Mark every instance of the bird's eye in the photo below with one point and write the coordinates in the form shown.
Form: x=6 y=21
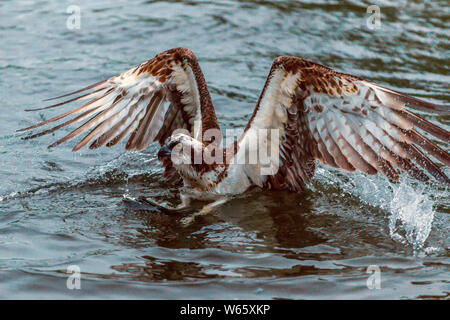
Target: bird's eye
x=172 y=144
x=178 y=147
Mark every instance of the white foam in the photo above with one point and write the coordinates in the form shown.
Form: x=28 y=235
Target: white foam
x=408 y=203
x=411 y=214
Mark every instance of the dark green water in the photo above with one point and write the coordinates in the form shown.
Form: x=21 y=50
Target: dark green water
x=59 y=208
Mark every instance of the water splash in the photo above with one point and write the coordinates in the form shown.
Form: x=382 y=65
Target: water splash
x=131 y=166
x=411 y=215
x=409 y=204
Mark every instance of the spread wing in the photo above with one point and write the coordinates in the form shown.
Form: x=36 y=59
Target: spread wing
x=146 y=103
x=347 y=123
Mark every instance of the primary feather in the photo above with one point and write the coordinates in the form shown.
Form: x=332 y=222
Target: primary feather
x=339 y=119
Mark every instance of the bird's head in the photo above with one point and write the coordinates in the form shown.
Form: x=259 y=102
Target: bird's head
x=181 y=150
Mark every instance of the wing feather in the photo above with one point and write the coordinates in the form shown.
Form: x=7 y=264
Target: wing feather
x=103 y=111
x=116 y=123
x=91 y=105
x=326 y=156
x=102 y=121
x=393 y=97
x=89 y=95
x=429 y=146
x=352 y=123
x=98 y=84
x=333 y=148
x=145 y=102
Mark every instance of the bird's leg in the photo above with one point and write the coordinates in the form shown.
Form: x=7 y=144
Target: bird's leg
x=142 y=203
x=207 y=209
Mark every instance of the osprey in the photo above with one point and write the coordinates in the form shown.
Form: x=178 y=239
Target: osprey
x=339 y=119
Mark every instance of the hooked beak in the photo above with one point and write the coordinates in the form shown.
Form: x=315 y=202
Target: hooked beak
x=164 y=153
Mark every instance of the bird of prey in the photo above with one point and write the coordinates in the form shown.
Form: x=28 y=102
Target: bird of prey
x=320 y=114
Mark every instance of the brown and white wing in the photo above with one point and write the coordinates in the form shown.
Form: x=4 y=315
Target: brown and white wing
x=145 y=104
x=347 y=123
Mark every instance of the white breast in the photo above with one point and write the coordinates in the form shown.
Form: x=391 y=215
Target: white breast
x=235 y=181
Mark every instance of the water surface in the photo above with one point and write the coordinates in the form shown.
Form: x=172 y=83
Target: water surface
x=59 y=208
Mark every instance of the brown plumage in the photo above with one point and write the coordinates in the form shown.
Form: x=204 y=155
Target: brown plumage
x=349 y=123
x=336 y=118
